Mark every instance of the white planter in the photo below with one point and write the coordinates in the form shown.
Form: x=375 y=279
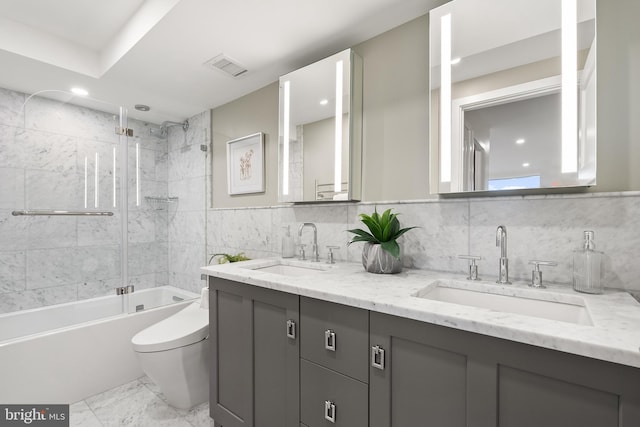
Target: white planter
x=377 y=260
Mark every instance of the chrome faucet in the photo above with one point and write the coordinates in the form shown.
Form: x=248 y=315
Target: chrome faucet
x=315 y=256
x=501 y=240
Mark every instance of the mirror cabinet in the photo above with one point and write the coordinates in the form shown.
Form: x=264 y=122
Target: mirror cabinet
x=320 y=131
x=513 y=88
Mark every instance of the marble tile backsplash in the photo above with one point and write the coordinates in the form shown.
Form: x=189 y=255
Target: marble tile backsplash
x=539 y=228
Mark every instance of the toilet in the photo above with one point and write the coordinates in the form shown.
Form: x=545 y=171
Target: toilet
x=174 y=354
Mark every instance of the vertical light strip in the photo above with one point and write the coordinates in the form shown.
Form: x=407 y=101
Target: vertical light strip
x=569 y=87
x=96 y=180
x=86 y=183
x=337 y=179
x=137 y=174
x=285 y=137
x=445 y=98
x=115 y=164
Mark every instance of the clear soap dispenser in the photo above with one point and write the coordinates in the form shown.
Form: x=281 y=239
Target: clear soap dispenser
x=288 y=244
x=587 y=267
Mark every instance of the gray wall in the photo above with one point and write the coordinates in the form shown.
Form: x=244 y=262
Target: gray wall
x=396 y=129
x=256 y=112
x=618 y=68
x=395 y=122
x=396 y=126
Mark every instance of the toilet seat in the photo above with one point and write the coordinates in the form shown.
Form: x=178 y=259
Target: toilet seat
x=188 y=326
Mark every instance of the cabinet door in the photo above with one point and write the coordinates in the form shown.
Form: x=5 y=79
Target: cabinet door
x=415 y=383
x=255 y=356
x=434 y=375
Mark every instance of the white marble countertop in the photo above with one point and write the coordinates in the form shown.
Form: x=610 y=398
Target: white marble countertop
x=614 y=335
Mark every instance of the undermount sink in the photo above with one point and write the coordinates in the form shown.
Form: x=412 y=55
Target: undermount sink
x=291 y=268
x=526 y=302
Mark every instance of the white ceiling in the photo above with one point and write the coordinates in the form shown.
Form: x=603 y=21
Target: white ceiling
x=152 y=52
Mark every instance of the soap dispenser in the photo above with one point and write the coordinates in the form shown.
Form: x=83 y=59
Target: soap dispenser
x=288 y=244
x=587 y=267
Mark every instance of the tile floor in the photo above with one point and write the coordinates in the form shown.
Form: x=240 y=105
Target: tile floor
x=137 y=404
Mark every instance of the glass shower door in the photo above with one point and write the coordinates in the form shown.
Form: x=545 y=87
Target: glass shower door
x=61 y=210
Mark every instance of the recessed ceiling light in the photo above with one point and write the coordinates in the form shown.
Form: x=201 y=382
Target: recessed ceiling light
x=142 y=107
x=324 y=102
x=456 y=61
x=79 y=91
x=520 y=141
x=525 y=165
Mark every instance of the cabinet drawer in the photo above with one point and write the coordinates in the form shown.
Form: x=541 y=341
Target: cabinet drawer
x=320 y=387
x=335 y=336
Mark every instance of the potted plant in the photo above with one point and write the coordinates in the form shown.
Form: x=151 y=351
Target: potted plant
x=381 y=252
x=229 y=258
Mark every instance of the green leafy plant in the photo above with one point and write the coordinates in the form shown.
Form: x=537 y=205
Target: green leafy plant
x=383 y=229
x=229 y=258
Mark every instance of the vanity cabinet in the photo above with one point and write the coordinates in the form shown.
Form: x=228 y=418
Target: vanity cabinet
x=279 y=359
x=255 y=356
x=434 y=375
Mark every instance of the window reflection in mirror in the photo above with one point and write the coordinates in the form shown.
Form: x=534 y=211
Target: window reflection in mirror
x=513 y=94
x=320 y=131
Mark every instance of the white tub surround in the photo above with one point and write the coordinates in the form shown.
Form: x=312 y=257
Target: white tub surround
x=55 y=360
x=614 y=335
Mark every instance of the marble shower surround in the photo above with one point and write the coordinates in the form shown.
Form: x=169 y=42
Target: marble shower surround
x=539 y=227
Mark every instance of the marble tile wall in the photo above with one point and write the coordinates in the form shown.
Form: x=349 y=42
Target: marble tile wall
x=539 y=227
x=188 y=169
x=50 y=260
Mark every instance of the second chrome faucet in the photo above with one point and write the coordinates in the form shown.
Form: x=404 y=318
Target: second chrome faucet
x=315 y=255
x=501 y=240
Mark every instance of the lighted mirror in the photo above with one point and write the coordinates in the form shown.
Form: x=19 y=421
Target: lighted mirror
x=320 y=131
x=513 y=95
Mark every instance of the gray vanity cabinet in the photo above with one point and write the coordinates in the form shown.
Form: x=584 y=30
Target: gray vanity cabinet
x=434 y=375
x=282 y=360
x=255 y=357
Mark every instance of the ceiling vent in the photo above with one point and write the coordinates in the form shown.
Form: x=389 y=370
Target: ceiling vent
x=226 y=64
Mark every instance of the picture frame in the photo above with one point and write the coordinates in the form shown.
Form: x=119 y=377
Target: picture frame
x=245 y=164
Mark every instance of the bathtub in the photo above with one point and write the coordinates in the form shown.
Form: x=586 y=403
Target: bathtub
x=68 y=352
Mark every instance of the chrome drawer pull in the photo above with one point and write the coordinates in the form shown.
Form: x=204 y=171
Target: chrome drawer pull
x=329 y=411
x=377 y=357
x=330 y=340
x=291 y=329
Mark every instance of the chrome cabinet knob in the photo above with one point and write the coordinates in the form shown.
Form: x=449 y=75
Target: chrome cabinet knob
x=330 y=340
x=330 y=411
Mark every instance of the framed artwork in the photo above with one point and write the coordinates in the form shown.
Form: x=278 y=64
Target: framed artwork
x=245 y=164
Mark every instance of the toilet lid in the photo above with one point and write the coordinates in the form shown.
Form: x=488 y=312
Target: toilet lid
x=188 y=326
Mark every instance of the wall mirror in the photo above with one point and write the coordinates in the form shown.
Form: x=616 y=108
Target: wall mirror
x=513 y=95
x=320 y=131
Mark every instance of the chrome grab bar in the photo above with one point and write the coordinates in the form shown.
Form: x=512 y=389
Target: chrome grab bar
x=61 y=213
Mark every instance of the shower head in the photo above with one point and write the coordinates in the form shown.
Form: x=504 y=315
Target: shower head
x=164 y=127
